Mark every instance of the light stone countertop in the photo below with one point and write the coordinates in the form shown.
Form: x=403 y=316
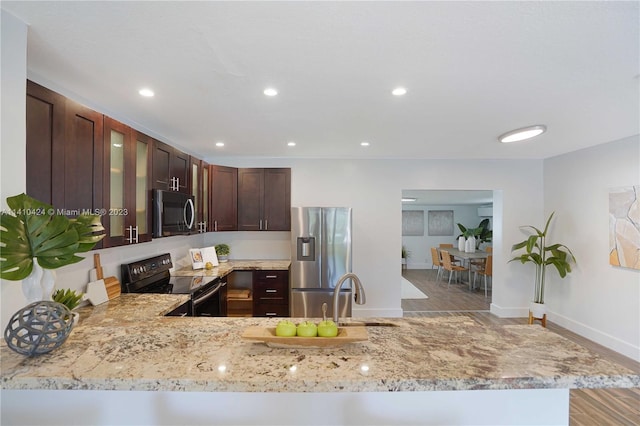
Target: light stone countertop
x=225 y=268
x=125 y=344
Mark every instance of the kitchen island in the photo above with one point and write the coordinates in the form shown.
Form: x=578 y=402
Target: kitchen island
x=125 y=363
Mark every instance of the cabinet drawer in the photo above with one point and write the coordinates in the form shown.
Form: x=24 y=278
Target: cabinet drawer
x=271 y=290
x=271 y=310
x=271 y=277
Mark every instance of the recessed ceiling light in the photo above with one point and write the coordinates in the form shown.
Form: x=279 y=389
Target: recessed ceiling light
x=146 y=92
x=522 y=134
x=399 y=91
x=408 y=199
x=291 y=143
x=364 y=143
x=270 y=91
x=220 y=144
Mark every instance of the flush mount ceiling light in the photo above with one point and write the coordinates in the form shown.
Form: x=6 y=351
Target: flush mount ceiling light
x=408 y=199
x=220 y=144
x=270 y=91
x=364 y=143
x=399 y=91
x=291 y=143
x=146 y=92
x=522 y=134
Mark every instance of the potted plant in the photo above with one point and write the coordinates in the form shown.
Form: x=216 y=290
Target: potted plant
x=35 y=240
x=70 y=299
x=542 y=255
x=481 y=234
x=405 y=255
x=222 y=251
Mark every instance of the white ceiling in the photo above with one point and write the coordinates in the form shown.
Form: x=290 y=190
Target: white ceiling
x=473 y=70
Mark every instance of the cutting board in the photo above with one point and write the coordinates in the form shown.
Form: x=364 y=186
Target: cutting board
x=111 y=284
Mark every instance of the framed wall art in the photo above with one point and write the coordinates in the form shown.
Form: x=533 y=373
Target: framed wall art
x=413 y=223
x=440 y=222
x=624 y=227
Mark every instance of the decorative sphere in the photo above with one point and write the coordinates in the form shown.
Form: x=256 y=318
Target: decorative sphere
x=39 y=328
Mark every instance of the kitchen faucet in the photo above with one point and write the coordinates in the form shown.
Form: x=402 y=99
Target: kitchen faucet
x=358 y=294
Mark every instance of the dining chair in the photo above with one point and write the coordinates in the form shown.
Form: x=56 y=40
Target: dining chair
x=446 y=245
x=487 y=271
x=447 y=265
x=436 y=261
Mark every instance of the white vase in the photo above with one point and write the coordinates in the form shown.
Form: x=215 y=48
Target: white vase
x=537 y=310
x=39 y=284
x=471 y=245
x=461 y=244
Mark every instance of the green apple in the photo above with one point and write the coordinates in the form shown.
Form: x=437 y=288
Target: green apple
x=285 y=328
x=327 y=329
x=307 y=329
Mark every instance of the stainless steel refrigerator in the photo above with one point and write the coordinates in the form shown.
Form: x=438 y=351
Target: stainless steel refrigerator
x=320 y=255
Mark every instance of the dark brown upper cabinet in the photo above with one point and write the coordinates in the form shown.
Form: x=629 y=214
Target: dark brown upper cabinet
x=63 y=151
x=170 y=168
x=127 y=156
x=264 y=199
x=200 y=189
x=223 y=214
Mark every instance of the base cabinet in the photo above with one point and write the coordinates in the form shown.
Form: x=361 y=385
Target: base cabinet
x=271 y=293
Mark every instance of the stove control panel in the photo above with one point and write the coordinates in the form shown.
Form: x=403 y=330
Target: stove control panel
x=146 y=268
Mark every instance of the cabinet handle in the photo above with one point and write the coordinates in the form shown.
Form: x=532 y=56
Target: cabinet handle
x=269 y=290
x=266 y=225
x=271 y=276
x=261 y=224
x=271 y=314
x=133 y=235
x=215 y=226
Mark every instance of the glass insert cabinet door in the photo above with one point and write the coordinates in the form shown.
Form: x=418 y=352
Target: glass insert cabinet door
x=142 y=187
x=116 y=208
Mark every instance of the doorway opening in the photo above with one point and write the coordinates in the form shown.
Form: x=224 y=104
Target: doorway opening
x=431 y=218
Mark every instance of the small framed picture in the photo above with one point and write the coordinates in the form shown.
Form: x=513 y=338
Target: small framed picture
x=197 y=262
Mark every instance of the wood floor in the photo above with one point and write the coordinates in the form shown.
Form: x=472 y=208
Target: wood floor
x=587 y=407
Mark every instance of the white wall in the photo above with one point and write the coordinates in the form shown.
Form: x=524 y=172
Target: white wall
x=597 y=300
x=13 y=132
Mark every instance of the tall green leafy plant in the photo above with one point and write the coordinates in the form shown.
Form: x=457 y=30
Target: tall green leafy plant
x=32 y=229
x=537 y=252
x=482 y=233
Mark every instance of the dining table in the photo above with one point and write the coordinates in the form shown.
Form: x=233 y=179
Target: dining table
x=466 y=257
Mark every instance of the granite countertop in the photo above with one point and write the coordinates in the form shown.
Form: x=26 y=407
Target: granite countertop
x=225 y=268
x=125 y=344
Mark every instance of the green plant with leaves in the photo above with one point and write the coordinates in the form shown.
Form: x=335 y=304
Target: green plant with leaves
x=405 y=253
x=538 y=253
x=32 y=229
x=68 y=298
x=222 y=250
x=482 y=233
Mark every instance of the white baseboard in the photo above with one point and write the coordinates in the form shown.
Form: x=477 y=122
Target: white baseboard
x=504 y=312
x=604 y=339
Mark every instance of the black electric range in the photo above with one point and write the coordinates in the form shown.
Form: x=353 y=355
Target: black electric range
x=152 y=275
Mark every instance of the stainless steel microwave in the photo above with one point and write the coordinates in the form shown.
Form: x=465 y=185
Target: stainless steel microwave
x=173 y=213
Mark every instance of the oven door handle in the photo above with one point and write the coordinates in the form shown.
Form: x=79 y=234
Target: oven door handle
x=208 y=295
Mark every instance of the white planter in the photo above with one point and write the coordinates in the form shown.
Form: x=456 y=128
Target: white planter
x=461 y=244
x=470 y=246
x=39 y=284
x=538 y=310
